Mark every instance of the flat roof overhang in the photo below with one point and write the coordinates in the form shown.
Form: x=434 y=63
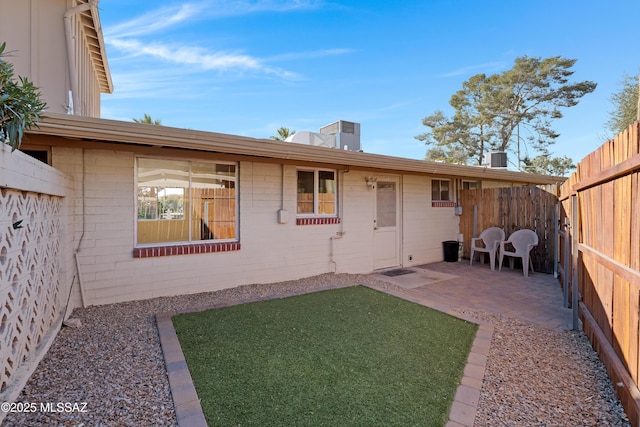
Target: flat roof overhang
x=114 y=131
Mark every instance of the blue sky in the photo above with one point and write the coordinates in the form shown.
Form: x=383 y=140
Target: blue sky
x=248 y=67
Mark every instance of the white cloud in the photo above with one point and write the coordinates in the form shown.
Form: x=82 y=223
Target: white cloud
x=128 y=37
x=200 y=58
x=154 y=21
x=486 y=68
x=309 y=55
x=167 y=17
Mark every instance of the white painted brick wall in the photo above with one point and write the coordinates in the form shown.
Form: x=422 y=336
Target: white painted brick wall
x=269 y=251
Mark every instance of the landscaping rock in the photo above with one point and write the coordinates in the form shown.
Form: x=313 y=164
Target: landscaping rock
x=534 y=376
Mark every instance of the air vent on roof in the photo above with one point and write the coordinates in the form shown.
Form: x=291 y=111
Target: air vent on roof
x=496 y=159
x=347 y=134
x=341 y=134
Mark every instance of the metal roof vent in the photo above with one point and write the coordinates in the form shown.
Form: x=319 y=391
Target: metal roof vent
x=347 y=134
x=496 y=159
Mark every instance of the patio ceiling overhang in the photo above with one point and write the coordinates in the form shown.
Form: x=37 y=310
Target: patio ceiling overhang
x=113 y=131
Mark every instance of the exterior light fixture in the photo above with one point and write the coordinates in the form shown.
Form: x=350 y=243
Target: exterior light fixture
x=371 y=182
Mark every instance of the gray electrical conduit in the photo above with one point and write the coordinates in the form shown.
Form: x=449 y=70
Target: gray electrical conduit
x=81 y=235
x=340 y=233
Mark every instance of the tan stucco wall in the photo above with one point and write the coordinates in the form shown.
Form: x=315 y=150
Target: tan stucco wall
x=34 y=31
x=38 y=43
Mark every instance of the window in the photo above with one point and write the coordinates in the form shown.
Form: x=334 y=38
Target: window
x=469 y=185
x=185 y=201
x=316 y=192
x=440 y=190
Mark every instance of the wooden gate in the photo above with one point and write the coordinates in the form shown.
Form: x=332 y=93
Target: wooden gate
x=512 y=209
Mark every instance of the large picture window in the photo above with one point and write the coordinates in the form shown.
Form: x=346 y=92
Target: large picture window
x=316 y=192
x=185 y=201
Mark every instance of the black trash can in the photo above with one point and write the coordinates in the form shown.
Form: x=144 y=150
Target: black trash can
x=450 y=250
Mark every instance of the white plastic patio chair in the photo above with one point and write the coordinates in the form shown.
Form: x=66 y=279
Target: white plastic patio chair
x=522 y=241
x=491 y=237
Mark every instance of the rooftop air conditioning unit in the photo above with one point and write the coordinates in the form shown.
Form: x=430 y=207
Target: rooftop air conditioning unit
x=347 y=134
x=496 y=159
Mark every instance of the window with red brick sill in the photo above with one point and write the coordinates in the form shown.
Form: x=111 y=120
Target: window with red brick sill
x=316 y=193
x=195 y=248
x=189 y=206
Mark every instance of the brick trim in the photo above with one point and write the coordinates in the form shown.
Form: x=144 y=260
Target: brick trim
x=196 y=248
x=443 y=204
x=317 y=221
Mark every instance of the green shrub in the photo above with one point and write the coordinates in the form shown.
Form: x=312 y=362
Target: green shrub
x=20 y=104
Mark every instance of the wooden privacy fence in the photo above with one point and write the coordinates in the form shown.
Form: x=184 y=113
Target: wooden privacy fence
x=512 y=209
x=601 y=204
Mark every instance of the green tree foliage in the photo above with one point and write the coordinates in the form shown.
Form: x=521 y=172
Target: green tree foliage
x=148 y=120
x=547 y=165
x=511 y=111
x=283 y=133
x=20 y=104
x=442 y=154
x=625 y=102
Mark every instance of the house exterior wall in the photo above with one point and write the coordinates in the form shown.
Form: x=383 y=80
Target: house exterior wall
x=425 y=226
x=270 y=251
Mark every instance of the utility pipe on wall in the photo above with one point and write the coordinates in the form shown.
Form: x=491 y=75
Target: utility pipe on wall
x=341 y=231
x=68 y=31
x=84 y=227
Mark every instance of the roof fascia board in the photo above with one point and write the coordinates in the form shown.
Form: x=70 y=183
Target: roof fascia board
x=88 y=128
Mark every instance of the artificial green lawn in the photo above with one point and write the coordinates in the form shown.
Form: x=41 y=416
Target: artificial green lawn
x=343 y=357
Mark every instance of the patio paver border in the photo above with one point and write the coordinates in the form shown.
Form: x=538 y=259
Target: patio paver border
x=187 y=404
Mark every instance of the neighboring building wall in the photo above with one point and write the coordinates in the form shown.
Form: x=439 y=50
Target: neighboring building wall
x=35 y=32
x=88 y=97
x=36 y=264
x=38 y=46
x=501 y=184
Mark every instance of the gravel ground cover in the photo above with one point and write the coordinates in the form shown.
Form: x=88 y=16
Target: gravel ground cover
x=114 y=364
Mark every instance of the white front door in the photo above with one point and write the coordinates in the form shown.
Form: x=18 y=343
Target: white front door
x=386 y=224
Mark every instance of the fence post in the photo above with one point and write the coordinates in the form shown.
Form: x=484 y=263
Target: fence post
x=575 y=231
x=475 y=221
x=566 y=256
x=556 y=249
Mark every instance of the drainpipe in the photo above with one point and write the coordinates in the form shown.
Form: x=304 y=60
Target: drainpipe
x=84 y=226
x=73 y=72
x=341 y=231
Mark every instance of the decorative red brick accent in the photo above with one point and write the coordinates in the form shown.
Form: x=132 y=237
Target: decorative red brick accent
x=443 y=204
x=194 y=248
x=317 y=221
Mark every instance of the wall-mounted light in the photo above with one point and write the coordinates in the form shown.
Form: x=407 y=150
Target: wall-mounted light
x=371 y=182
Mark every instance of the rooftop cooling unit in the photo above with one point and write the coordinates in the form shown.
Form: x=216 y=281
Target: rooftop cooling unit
x=347 y=134
x=496 y=159
x=312 y=138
